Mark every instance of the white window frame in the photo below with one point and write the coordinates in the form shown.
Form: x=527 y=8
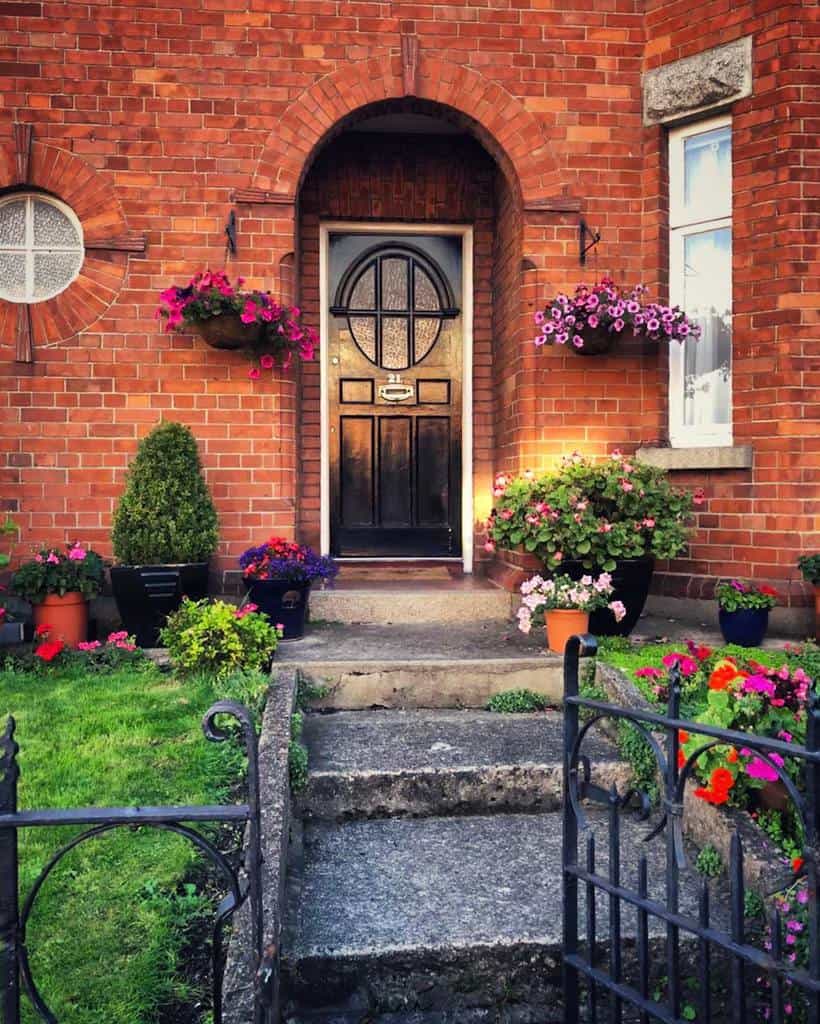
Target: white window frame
x=28 y=247
x=682 y=224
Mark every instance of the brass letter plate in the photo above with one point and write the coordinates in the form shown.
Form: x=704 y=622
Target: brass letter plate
x=396 y=392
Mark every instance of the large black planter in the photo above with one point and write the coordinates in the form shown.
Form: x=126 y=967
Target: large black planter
x=630 y=578
x=745 y=627
x=285 y=603
x=147 y=594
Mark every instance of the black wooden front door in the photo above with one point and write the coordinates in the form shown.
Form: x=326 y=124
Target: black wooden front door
x=394 y=379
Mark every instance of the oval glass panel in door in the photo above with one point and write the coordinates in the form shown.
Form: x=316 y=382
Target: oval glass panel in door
x=395 y=299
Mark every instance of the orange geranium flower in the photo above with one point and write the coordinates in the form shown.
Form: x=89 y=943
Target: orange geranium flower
x=681 y=758
x=722 y=676
x=683 y=736
x=731 y=757
x=722 y=779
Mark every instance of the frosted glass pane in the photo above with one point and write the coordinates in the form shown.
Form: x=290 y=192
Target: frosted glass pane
x=363 y=295
x=52 y=229
x=12 y=224
x=54 y=271
x=13 y=276
x=707 y=171
x=394 y=343
x=708 y=299
x=426 y=333
x=426 y=297
x=363 y=329
x=394 y=284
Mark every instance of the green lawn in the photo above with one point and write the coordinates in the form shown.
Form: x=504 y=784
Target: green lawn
x=109 y=926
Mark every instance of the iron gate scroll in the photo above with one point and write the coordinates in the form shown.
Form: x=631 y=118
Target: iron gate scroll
x=14 y=954
x=583 y=973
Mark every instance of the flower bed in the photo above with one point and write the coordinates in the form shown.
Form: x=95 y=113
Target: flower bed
x=750 y=690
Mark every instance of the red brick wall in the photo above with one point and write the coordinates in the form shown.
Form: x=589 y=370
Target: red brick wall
x=173 y=107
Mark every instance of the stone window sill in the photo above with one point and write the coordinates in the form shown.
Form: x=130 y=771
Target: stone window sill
x=716 y=457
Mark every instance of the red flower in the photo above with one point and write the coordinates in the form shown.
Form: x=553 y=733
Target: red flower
x=681 y=759
x=731 y=757
x=43 y=630
x=722 y=779
x=768 y=591
x=683 y=736
x=797 y=864
x=49 y=650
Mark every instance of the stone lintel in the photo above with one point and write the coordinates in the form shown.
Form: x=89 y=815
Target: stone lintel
x=698 y=84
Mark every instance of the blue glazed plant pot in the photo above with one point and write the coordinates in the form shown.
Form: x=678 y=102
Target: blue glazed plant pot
x=745 y=627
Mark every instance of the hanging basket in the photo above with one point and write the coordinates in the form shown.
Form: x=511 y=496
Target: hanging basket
x=228 y=332
x=597 y=341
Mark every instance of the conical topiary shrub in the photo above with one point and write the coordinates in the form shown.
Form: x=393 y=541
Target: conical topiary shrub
x=164 y=532
x=165 y=515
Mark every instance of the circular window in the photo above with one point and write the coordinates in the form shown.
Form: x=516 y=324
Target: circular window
x=41 y=247
x=395 y=299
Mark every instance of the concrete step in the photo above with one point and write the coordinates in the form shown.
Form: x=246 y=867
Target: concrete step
x=371 y=764
x=421 y=665
x=400 y=600
x=478 y=1015
x=435 y=914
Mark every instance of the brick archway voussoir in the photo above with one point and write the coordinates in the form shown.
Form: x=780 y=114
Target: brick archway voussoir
x=511 y=133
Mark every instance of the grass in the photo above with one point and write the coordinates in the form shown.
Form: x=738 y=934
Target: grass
x=109 y=928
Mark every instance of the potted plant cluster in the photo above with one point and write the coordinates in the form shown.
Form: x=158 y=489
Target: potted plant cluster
x=611 y=516
x=566 y=604
x=59 y=583
x=279 y=575
x=809 y=566
x=228 y=317
x=591 y=320
x=164 y=533
x=743 y=611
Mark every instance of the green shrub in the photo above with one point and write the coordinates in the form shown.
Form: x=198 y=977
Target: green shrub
x=297 y=754
x=218 y=638
x=165 y=514
x=517 y=702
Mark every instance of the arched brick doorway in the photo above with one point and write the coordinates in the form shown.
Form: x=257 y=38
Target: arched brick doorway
x=395 y=171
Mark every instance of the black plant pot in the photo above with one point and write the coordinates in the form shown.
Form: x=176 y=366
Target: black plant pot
x=285 y=603
x=630 y=578
x=745 y=627
x=147 y=594
x=11 y=633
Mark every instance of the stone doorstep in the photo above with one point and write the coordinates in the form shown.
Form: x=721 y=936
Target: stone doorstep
x=391 y=919
x=477 y=1015
x=434 y=603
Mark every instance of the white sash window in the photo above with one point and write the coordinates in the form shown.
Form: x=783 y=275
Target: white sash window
x=700 y=282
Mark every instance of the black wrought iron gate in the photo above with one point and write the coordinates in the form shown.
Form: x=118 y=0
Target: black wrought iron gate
x=14 y=955
x=759 y=979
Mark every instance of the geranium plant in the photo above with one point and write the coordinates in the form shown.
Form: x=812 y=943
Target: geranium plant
x=597 y=512
x=59 y=571
x=281 y=559
x=281 y=335
x=562 y=592
x=606 y=308
x=735 y=595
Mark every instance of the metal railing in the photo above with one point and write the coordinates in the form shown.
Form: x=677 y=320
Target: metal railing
x=695 y=947
x=15 y=964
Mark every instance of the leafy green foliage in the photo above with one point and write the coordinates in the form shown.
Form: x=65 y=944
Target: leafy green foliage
x=307 y=692
x=596 y=512
x=109 y=929
x=8 y=528
x=753 y=906
x=784 y=830
x=513 y=702
x=61 y=572
x=636 y=751
x=297 y=754
x=709 y=862
x=809 y=566
x=165 y=514
x=217 y=637
x=736 y=595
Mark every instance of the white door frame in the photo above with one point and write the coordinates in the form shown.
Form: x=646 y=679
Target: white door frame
x=465 y=232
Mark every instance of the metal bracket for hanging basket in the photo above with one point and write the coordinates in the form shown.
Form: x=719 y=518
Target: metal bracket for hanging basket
x=583 y=246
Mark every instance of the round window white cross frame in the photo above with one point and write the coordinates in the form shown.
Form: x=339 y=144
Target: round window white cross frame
x=28 y=249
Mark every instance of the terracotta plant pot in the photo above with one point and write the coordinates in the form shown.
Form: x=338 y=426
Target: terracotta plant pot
x=562 y=623
x=227 y=332
x=67 y=616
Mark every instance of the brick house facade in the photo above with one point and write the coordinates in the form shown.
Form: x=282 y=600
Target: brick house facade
x=514 y=117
